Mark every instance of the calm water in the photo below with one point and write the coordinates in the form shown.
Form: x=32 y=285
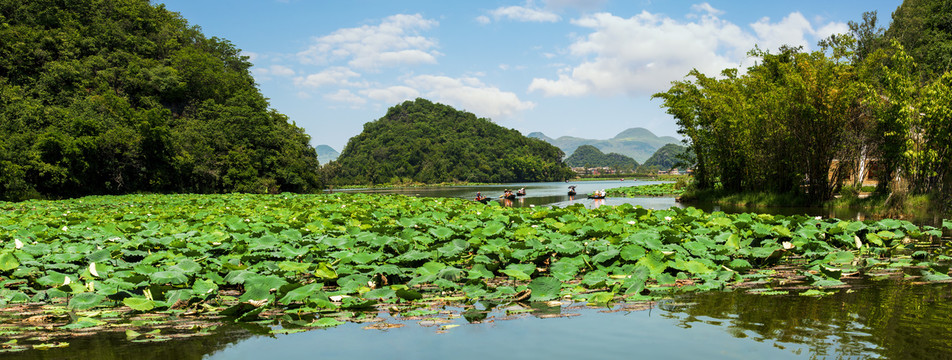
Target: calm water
x=879 y=320
x=885 y=320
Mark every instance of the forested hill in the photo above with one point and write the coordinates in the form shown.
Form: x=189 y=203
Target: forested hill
x=589 y=156
x=120 y=96
x=669 y=156
x=428 y=142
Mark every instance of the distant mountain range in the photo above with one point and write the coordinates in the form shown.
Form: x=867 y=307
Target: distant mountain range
x=636 y=143
x=326 y=154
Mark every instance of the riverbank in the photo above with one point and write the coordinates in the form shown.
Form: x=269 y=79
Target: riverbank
x=896 y=205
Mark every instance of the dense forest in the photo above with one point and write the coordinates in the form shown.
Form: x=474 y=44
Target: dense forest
x=811 y=122
x=422 y=141
x=589 y=156
x=121 y=96
x=670 y=156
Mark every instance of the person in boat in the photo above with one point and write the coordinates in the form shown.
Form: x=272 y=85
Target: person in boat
x=479 y=196
x=521 y=191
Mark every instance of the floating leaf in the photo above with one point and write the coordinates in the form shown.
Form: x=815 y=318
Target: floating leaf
x=139 y=304
x=545 y=288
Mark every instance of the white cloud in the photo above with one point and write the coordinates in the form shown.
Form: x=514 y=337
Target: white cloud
x=395 y=42
x=345 y=96
x=578 y=4
x=792 y=30
x=520 y=13
x=642 y=54
x=706 y=8
x=280 y=70
x=471 y=94
x=335 y=76
x=483 y=19
x=392 y=94
x=832 y=28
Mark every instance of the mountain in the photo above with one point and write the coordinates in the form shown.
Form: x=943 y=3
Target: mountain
x=122 y=96
x=637 y=143
x=326 y=153
x=589 y=156
x=668 y=156
x=422 y=141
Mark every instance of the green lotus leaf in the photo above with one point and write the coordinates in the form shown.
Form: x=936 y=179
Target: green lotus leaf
x=545 y=288
x=8 y=261
x=168 y=277
x=382 y=293
x=291 y=266
x=325 y=323
x=408 y=294
x=82 y=323
x=86 y=300
x=325 y=271
x=204 y=287
x=139 y=303
x=493 y=228
x=442 y=233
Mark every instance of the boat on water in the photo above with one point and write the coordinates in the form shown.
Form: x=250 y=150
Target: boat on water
x=484 y=199
x=509 y=197
x=596 y=196
x=571 y=192
x=521 y=193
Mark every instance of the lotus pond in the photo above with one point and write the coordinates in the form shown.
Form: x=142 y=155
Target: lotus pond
x=199 y=272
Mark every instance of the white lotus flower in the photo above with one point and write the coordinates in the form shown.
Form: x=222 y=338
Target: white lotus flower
x=631 y=222
x=667 y=218
x=92 y=269
x=65 y=228
x=17 y=243
x=66 y=281
x=787 y=245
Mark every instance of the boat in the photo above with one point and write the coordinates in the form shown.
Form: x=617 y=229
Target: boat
x=521 y=194
x=484 y=199
x=596 y=196
x=510 y=197
x=571 y=192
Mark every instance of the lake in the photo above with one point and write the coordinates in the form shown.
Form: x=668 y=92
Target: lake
x=871 y=319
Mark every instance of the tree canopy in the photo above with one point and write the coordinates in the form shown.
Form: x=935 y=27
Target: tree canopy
x=590 y=156
x=422 y=141
x=811 y=122
x=669 y=156
x=121 y=96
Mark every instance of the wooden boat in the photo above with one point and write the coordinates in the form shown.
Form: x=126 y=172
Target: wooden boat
x=484 y=199
x=520 y=194
x=571 y=192
x=510 y=197
x=596 y=197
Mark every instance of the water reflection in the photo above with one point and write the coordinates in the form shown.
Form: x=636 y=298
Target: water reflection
x=884 y=320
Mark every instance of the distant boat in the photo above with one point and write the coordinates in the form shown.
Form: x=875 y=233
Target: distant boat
x=484 y=199
x=520 y=193
x=596 y=197
x=571 y=192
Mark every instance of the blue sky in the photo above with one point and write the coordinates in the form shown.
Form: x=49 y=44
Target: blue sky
x=583 y=68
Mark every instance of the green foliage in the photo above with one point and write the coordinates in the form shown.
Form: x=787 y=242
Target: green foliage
x=112 y=97
x=665 y=189
x=322 y=253
x=428 y=142
x=670 y=156
x=589 y=156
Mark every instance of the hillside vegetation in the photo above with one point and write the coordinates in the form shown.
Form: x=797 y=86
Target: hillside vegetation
x=422 y=141
x=669 y=156
x=120 y=96
x=812 y=122
x=589 y=156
